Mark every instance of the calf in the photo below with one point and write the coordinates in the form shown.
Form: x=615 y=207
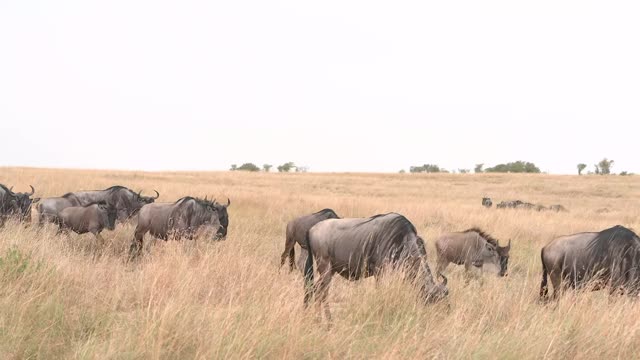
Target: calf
x=91 y=218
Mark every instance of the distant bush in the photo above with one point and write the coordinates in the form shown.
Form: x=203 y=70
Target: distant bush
x=514 y=167
x=267 y=167
x=426 y=168
x=248 y=167
x=286 y=167
x=478 y=168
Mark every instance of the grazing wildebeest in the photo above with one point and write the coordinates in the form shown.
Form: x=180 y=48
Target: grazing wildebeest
x=91 y=218
x=518 y=204
x=607 y=258
x=176 y=220
x=472 y=247
x=126 y=202
x=509 y=204
x=362 y=247
x=16 y=204
x=486 y=202
x=558 y=208
x=297 y=231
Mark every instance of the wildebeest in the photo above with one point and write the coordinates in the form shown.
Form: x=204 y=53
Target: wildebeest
x=610 y=257
x=126 y=202
x=16 y=204
x=472 y=247
x=297 y=231
x=362 y=247
x=486 y=202
x=518 y=204
x=91 y=218
x=176 y=220
x=558 y=208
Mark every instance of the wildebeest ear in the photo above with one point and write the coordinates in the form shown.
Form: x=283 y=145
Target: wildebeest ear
x=228 y=202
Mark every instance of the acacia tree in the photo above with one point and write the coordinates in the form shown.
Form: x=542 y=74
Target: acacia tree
x=581 y=167
x=267 y=167
x=286 y=167
x=604 y=167
x=478 y=168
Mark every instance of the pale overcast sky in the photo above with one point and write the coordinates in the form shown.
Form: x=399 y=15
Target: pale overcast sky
x=334 y=85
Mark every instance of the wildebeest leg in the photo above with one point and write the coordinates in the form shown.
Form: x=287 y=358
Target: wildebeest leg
x=136 y=243
x=100 y=238
x=324 y=268
x=289 y=245
x=442 y=265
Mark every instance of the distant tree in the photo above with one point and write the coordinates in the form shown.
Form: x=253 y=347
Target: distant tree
x=624 y=173
x=514 y=167
x=286 y=167
x=302 y=169
x=426 y=168
x=402 y=171
x=478 y=168
x=248 y=167
x=581 y=167
x=604 y=166
x=464 y=171
x=267 y=167
x=234 y=167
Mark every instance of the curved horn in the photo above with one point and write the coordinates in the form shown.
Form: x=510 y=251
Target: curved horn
x=11 y=189
x=228 y=202
x=214 y=201
x=205 y=198
x=33 y=191
x=444 y=280
x=509 y=245
x=139 y=193
x=157 y=194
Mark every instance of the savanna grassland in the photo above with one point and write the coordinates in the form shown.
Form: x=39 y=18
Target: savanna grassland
x=67 y=297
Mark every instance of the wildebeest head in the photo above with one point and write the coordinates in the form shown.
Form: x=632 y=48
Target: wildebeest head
x=23 y=203
x=486 y=202
x=210 y=216
x=112 y=214
x=488 y=254
x=503 y=253
x=223 y=216
x=144 y=200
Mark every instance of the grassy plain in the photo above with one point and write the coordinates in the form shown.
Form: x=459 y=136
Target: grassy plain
x=65 y=297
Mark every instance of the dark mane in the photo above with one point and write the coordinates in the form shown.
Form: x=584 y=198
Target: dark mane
x=201 y=202
x=612 y=244
x=490 y=239
x=325 y=211
x=399 y=222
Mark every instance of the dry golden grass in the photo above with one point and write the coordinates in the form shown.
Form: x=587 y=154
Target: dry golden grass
x=63 y=297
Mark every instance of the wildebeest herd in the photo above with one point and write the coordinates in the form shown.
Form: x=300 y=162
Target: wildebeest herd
x=354 y=248
x=93 y=211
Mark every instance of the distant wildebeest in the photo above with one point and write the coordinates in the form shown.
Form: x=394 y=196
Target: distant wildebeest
x=472 y=248
x=177 y=220
x=126 y=202
x=16 y=205
x=297 y=231
x=91 y=218
x=486 y=202
x=509 y=204
x=362 y=247
x=607 y=258
x=558 y=208
x=518 y=204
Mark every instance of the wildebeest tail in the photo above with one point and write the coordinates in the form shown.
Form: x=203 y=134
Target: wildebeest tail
x=308 y=274
x=544 y=288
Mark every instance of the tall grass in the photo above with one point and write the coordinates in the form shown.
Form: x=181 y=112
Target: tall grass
x=67 y=297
